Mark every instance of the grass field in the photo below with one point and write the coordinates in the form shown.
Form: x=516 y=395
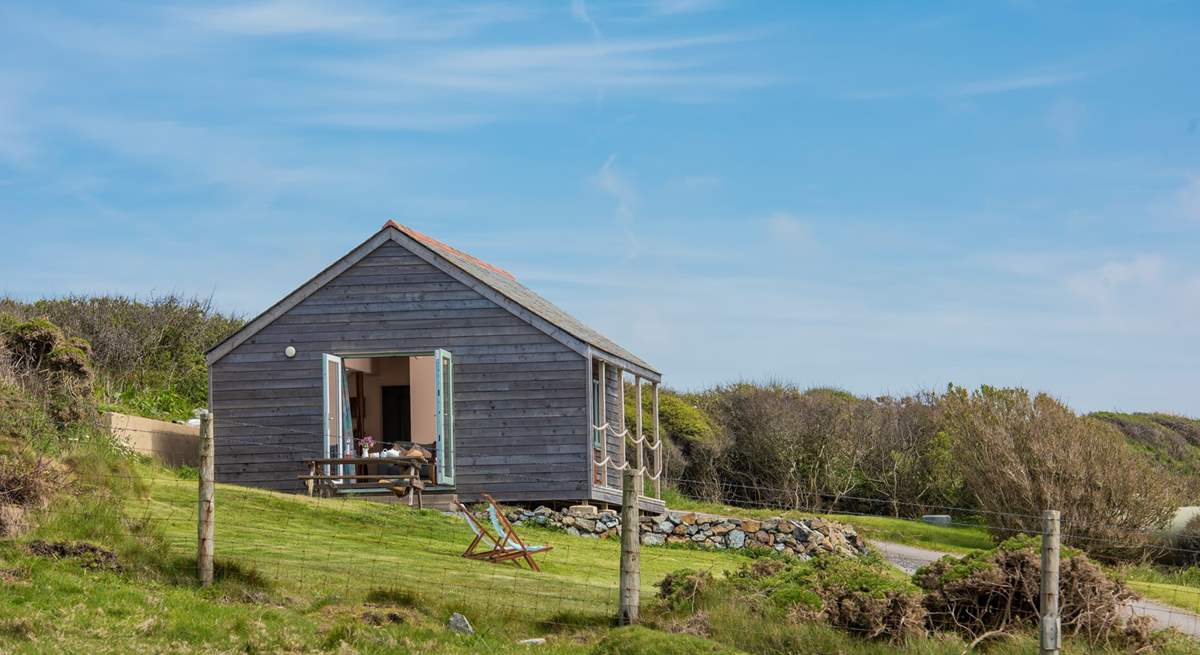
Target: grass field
x=297 y=574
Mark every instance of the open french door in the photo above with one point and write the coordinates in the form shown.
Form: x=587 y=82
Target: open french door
x=336 y=408
x=443 y=377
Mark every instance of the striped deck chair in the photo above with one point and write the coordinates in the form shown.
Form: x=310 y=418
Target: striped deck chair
x=502 y=545
x=512 y=541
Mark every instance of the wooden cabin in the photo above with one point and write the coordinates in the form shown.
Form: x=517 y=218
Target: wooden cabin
x=412 y=341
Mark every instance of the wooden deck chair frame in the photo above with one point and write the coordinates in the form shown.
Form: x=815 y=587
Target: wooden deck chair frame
x=500 y=550
x=510 y=536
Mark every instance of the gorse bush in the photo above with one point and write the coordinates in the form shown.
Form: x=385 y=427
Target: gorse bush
x=148 y=355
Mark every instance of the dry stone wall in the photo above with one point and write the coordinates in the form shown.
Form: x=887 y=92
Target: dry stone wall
x=803 y=537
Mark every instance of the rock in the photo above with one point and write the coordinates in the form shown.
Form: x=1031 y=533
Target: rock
x=717 y=540
x=572 y=531
x=568 y=520
x=585 y=525
x=698 y=537
x=676 y=539
x=689 y=518
x=680 y=529
x=653 y=539
x=736 y=539
x=692 y=529
x=459 y=623
x=771 y=525
x=664 y=526
x=536 y=641
x=543 y=510
x=763 y=537
x=722 y=528
x=586 y=511
x=751 y=526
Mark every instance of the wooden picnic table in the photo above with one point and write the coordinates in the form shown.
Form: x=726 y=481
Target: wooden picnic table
x=406 y=483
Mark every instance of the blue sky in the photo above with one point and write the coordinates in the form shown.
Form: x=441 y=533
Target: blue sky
x=883 y=199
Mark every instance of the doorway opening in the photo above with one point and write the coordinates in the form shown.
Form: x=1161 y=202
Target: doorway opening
x=380 y=405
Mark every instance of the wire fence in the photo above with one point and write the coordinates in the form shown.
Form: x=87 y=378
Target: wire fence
x=276 y=543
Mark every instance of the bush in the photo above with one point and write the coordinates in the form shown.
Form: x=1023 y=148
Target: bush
x=786 y=447
x=997 y=591
x=56 y=368
x=1020 y=454
x=148 y=354
x=27 y=480
x=683 y=588
x=862 y=596
x=637 y=640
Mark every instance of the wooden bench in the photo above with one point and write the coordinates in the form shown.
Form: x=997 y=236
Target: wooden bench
x=405 y=484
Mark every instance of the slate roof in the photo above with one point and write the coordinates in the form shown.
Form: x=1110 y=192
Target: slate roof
x=507 y=285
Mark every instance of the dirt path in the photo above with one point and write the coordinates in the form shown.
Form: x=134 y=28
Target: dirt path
x=911 y=558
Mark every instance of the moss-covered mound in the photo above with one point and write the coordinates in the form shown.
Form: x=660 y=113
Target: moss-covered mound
x=636 y=640
x=862 y=596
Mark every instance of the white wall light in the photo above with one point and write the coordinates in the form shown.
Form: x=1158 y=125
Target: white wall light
x=290 y=351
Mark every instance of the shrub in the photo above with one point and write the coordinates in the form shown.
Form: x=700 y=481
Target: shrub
x=1020 y=454
x=997 y=591
x=683 y=588
x=148 y=354
x=786 y=447
x=57 y=368
x=862 y=596
x=26 y=479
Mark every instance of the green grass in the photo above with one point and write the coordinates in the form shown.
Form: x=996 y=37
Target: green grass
x=951 y=539
x=297 y=574
x=1178 y=587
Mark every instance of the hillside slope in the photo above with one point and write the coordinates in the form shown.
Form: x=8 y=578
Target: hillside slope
x=1171 y=440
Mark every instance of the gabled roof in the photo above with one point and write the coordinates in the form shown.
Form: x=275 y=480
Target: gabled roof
x=491 y=281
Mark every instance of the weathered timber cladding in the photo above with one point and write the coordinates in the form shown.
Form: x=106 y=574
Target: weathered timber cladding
x=612 y=389
x=520 y=396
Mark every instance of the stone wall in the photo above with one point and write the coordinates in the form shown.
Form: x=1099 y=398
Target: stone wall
x=799 y=537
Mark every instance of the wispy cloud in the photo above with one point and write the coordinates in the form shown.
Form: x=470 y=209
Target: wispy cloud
x=1016 y=83
x=288 y=17
x=1188 y=198
x=403 y=121
x=620 y=188
x=664 y=65
x=1108 y=282
x=16 y=139
x=612 y=181
x=579 y=11
x=673 y=7
x=787 y=228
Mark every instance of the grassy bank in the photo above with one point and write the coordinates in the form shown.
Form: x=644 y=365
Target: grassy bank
x=308 y=575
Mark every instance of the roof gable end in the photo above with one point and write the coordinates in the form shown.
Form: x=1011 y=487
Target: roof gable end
x=493 y=282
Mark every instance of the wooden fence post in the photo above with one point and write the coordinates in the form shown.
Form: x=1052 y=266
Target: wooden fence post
x=630 y=547
x=1051 y=626
x=204 y=528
